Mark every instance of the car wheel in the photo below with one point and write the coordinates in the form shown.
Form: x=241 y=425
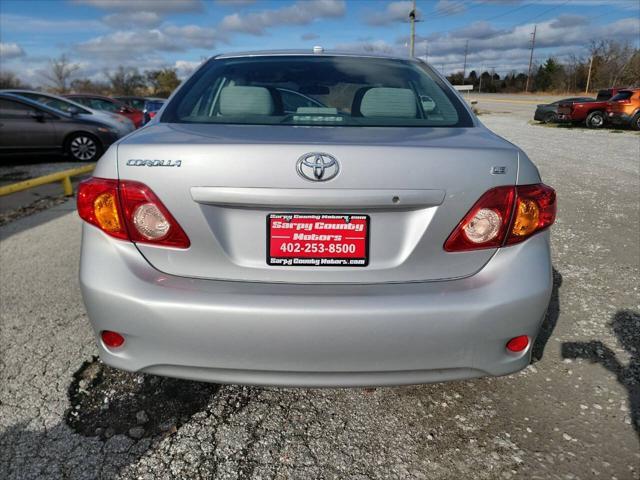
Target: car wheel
x=595 y=119
x=635 y=122
x=83 y=147
x=549 y=118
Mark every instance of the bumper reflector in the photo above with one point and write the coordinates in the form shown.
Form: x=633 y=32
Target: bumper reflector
x=112 y=339
x=518 y=344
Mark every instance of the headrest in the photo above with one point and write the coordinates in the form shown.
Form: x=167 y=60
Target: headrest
x=388 y=102
x=243 y=100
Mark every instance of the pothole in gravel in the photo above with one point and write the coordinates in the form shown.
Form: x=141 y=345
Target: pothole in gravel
x=105 y=401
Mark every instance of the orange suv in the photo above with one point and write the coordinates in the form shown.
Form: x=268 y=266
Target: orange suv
x=624 y=108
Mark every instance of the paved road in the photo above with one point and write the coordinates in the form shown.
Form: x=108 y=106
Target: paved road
x=567 y=416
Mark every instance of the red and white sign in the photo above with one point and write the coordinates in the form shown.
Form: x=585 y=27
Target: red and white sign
x=317 y=240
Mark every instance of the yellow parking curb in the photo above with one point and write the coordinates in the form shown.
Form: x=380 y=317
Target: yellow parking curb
x=63 y=176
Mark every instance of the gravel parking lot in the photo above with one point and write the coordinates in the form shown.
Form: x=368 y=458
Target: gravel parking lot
x=573 y=414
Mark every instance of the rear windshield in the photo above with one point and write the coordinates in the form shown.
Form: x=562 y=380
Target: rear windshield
x=329 y=91
x=626 y=95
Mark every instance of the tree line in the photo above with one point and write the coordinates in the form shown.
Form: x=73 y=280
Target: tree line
x=61 y=77
x=611 y=64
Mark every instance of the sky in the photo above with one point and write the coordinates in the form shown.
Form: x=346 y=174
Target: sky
x=100 y=35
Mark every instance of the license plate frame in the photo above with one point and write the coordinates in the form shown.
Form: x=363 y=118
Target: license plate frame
x=329 y=257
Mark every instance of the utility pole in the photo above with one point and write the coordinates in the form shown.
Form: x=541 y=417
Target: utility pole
x=533 y=45
x=412 y=20
x=586 y=90
x=464 y=68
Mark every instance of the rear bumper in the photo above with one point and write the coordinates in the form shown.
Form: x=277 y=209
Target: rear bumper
x=315 y=335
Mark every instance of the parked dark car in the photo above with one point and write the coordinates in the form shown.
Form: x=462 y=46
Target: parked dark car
x=100 y=102
x=28 y=127
x=548 y=112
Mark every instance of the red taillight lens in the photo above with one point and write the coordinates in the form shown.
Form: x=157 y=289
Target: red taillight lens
x=129 y=210
x=486 y=223
x=148 y=221
x=504 y=216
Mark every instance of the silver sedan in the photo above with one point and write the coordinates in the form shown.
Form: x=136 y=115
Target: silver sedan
x=347 y=233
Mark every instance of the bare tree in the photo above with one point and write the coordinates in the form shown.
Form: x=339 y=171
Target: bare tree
x=126 y=81
x=10 y=80
x=60 y=72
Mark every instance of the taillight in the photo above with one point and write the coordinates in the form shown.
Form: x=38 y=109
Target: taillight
x=504 y=216
x=129 y=210
x=535 y=210
x=98 y=205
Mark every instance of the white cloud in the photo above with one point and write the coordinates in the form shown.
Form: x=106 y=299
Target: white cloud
x=234 y=3
x=126 y=44
x=299 y=13
x=394 y=12
x=193 y=35
x=157 y=6
x=133 y=19
x=184 y=68
x=22 y=23
x=11 y=50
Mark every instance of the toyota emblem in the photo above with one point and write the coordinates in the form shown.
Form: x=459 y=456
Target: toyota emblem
x=317 y=167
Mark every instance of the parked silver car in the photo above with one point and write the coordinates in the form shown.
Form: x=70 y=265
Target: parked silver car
x=121 y=124
x=27 y=126
x=363 y=242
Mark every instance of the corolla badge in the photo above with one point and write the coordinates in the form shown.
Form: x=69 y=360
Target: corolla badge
x=317 y=166
x=138 y=162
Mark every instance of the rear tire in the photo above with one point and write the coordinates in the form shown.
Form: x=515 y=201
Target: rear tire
x=83 y=147
x=635 y=122
x=595 y=119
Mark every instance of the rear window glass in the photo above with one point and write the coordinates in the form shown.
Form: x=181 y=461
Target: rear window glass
x=621 y=96
x=328 y=91
x=604 y=95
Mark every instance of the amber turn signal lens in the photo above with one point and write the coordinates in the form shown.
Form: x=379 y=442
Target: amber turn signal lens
x=526 y=219
x=106 y=212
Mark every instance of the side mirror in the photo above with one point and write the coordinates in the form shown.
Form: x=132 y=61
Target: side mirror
x=37 y=115
x=73 y=110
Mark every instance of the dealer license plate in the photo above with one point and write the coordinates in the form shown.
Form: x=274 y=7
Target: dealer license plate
x=317 y=240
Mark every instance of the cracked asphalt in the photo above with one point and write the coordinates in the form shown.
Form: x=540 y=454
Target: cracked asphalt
x=573 y=414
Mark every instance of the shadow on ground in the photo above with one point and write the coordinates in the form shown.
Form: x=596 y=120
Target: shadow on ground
x=550 y=319
x=625 y=325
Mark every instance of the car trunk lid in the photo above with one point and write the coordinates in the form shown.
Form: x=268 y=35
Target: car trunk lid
x=221 y=182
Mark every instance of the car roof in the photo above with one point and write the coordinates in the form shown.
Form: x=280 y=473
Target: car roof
x=18 y=91
x=310 y=52
x=94 y=95
x=32 y=103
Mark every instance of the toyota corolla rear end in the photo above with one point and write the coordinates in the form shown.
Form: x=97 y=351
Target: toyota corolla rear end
x=306 y=219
